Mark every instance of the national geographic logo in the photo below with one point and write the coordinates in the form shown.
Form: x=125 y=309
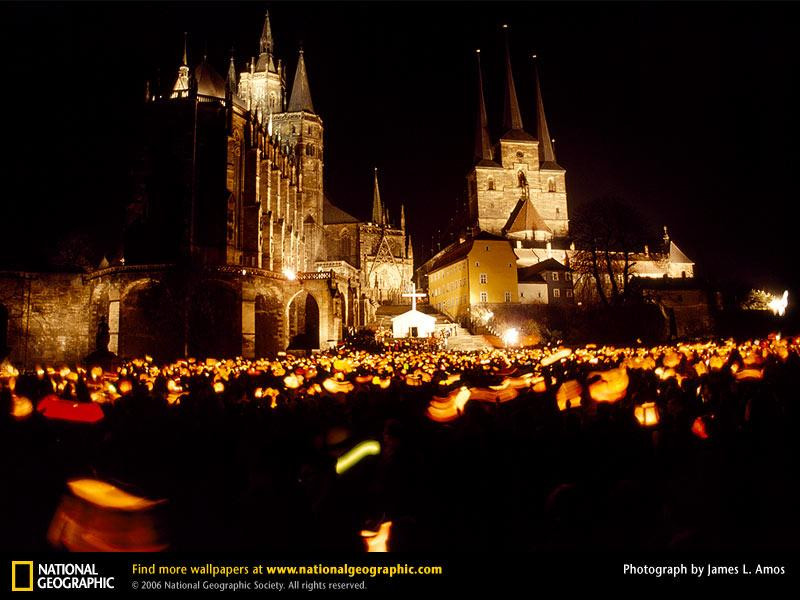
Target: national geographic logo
x=21 y=575
x=27 y=577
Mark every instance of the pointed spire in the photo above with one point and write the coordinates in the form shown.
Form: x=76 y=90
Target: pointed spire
x=403 y=217
x=185 y=62
x=301 y=93
x=230 y=83
x=547 y=153
x=512 y=118
x=483 y=148
x=181 y=87
x=266 y=36
x=265 y=57
x=377 y=205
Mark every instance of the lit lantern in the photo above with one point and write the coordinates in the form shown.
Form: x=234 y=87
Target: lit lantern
x=21 y=407
x=337 y=387
x=611 y=387
x=293 y=381
x=671 y=359
x=569 y=394
x=699 y=428
x=556 y=356
x=646 y=414
x=491 y=395
x=749 y=375
x=377 y=541
x=99 y=517
x=539 y=385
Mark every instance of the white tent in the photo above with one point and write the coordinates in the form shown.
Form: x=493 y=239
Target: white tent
x=413 y=323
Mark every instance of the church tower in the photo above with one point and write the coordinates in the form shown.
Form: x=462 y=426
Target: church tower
x=516 y=189
x=302 y=129
x=262 y=87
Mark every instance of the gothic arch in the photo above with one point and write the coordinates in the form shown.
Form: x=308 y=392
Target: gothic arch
x=215 y=320
x=149 y=321
x=303 y=321
x=345 y=244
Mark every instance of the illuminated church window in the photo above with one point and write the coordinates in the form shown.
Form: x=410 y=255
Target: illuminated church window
x=551 y=185
x=490 y=184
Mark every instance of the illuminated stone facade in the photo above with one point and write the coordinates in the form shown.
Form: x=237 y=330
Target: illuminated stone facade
x=230 y=244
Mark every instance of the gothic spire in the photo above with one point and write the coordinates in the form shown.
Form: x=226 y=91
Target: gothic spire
x=377 y=205
x=483 y=148
x=512 y=118
x=231 y=81
x=266 y=36
x=301 y=93
x=181 y=87
x=403 y=217
x=185 y=61
x=265 y=60
x=547 y=153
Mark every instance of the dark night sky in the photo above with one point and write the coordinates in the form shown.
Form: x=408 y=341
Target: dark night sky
x=686 y=110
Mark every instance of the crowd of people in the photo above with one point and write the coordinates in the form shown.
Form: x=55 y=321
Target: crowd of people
x=681 y=447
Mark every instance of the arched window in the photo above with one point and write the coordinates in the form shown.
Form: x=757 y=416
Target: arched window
x=490 y=184
x=272 y=100
x=344 y=244
x=551 y=184
x=523 y=181
x=310 y=150
x=294 y=129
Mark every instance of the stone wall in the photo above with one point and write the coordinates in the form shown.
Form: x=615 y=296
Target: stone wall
x=49 y=317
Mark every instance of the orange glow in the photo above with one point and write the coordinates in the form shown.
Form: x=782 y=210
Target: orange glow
x=491 y=395
x=98 y=517
x=293 y=381
x=21 y=407
x=611 y=387
x=377 y=541
x=556 y=356
x=699 y=428
x=749 y=375
x=569 y=394
x=646 y=414
x=106 y=495
x=337 y=387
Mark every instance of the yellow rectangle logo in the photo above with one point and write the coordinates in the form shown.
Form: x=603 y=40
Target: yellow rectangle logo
x=18 y=568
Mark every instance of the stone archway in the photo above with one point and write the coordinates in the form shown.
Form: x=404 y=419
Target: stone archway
x=215 y=321
x=150 y=322
x=303 y=321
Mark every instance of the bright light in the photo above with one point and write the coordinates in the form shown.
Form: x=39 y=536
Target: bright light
x=289 y=274
x=511 y=337
x=362 y=450
x=778 y=304
x=487 y=316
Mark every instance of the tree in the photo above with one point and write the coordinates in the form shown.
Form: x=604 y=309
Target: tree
x=607 y=232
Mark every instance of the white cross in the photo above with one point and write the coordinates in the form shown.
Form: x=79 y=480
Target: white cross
x=414 y=295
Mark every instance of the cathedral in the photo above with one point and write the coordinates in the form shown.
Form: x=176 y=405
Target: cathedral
x=231 y=246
